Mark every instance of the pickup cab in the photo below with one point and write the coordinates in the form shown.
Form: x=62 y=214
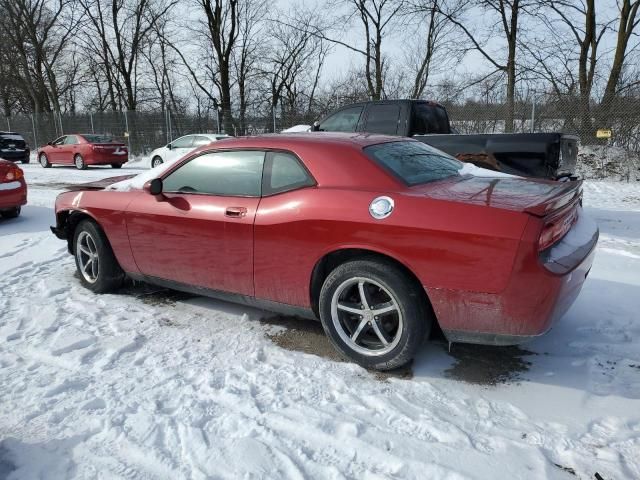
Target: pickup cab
x=543 y=155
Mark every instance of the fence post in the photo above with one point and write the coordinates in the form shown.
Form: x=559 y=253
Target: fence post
x=8 y=124
x=273 y=113
x=35 y=134
x=91 y=118
x=61 y=127
x=218 y=120
x=533 y=114
x=126 y=125
x=169 y=124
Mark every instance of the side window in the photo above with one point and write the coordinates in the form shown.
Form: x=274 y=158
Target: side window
x=383 y=119
x=234 y=174
x=71 y=140
x=343 y=121
x=429 y=119
x=183 y=142
x=59 y=141
x=284 y=172
x=200 y=141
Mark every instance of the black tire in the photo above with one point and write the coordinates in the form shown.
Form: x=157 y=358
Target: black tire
x=78 y=161
x=116 y=165
x=109 y=276
x=12 y=213
x=155 y=161
x=44 y=161
x=26 y=160
x=411 y=304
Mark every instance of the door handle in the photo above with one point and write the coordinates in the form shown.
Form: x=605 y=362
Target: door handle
x=235 y=212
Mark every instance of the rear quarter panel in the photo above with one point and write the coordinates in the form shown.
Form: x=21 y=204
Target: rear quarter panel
x=445 y=244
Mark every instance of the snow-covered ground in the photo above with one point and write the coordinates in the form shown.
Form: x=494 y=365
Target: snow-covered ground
x=147 y=384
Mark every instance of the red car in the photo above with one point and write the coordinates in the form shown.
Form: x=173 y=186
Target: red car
x=83 y=150
x=13 y=189
x=379 y=237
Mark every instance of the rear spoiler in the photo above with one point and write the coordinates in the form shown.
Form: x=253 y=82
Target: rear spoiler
x=565 y=194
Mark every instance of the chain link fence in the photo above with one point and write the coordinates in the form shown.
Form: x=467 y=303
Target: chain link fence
x=145 y=131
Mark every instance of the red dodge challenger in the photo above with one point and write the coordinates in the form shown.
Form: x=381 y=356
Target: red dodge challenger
x=83 y=150
x=13 y=189
x=377 y=236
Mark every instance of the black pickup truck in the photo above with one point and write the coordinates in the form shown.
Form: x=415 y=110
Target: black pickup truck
x=543 y=155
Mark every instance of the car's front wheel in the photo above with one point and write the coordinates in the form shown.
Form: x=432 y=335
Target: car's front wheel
x=11 y=213
x=156 y=161
x=116 y=165
x=44 y=161
x=97 y=265
x=79 y=162
x=374 y=313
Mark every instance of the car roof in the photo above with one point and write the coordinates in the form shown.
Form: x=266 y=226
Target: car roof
x=360 y=140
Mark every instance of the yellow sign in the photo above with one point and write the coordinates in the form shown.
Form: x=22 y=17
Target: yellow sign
x=602 y=133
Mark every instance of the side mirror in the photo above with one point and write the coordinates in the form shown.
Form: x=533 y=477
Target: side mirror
x=316 y=126
x=169 y=146
x=153 y=187
x=50 y=144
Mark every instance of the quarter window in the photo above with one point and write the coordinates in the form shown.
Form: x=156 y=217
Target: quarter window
x=235 y=174
x=343 y=121
x=284 y=172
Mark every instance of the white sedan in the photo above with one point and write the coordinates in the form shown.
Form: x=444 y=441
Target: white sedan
x=181 y=146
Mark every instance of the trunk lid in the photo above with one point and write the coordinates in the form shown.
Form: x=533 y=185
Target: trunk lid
x=537 y=197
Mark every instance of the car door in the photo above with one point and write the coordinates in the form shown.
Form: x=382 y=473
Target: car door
x=200 y=232
x=69 y=149
x=180 y=147
x=55 y=152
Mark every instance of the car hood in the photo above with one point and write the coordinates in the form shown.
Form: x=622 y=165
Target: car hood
x=98 y=184
x=538 y=197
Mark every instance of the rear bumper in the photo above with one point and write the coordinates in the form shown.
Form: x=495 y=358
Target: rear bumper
x=106 y=159
x=13 y=197
x=15 y=155
x=541 y=290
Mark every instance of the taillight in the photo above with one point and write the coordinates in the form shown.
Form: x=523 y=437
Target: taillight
x=13 y=174
x=556 y=228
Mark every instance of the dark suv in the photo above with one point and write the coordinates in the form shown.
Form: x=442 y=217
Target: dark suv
x=13 y=147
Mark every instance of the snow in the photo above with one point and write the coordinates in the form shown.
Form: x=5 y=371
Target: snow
x=137 y=182
x=142 y=384
x=474 y=170
x=9 y=186
x=297 y=129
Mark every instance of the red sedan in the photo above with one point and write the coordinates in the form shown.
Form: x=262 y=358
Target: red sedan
x=377 y=236
x=13 y=189
x=83 y=150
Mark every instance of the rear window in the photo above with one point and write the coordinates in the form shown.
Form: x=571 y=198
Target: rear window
x=98 y=138
x=414 y=162
x=428 y=118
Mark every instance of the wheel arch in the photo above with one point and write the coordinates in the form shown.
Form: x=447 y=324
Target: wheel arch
x=68 y=220
x=328 y=262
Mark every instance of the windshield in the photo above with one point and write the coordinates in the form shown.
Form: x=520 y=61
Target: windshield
x=414 y=162
x=98 y=138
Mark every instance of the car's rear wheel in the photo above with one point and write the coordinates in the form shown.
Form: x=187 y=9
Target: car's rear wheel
x=116 y=165
x=11 y=213
x=156 y=161
x=26 y=160
x=44 y=161
x=374 y=313
x=97 y=265
x=78 y=161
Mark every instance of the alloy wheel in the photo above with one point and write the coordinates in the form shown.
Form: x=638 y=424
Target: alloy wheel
x=87 y=255
x=367 y=316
